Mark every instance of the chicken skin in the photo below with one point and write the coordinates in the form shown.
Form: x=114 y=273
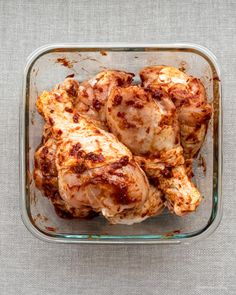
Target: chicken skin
x=189 y=97
x=149 y=128
x=91 y=170
x=93 y=93
x=45 y=176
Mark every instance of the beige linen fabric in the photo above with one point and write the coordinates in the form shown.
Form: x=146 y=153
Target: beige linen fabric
x=30 y=266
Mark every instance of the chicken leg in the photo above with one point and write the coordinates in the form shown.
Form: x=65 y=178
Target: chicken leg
x=150 y=129
x=189 y=97
x=94 y=170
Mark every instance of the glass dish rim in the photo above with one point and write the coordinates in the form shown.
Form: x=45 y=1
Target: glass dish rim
x=217 y=207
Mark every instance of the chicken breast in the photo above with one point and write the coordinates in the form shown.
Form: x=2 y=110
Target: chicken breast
x=150 y=129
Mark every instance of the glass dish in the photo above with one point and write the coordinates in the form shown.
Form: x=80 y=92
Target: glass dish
x=48 y=66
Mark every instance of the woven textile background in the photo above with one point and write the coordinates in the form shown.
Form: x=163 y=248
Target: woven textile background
x=30 y=266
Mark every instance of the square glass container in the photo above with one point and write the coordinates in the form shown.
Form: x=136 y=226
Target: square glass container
x=50 y=65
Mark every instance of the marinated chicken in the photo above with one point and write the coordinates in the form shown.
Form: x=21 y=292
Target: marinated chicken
x=89 y=168
x=93 y=93
x=189 y=96
x=45 y=176
x=157 y=129
x=149 y=128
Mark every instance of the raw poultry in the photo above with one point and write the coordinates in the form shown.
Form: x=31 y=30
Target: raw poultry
x=90 y=169
x=85 y=170
x=149 y=128
x=189 y=96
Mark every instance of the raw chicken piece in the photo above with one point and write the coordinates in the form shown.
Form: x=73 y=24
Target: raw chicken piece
x=189 y=97
x=92 y=94
x=150 y=129
x=45 y=176
x=94 y=170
